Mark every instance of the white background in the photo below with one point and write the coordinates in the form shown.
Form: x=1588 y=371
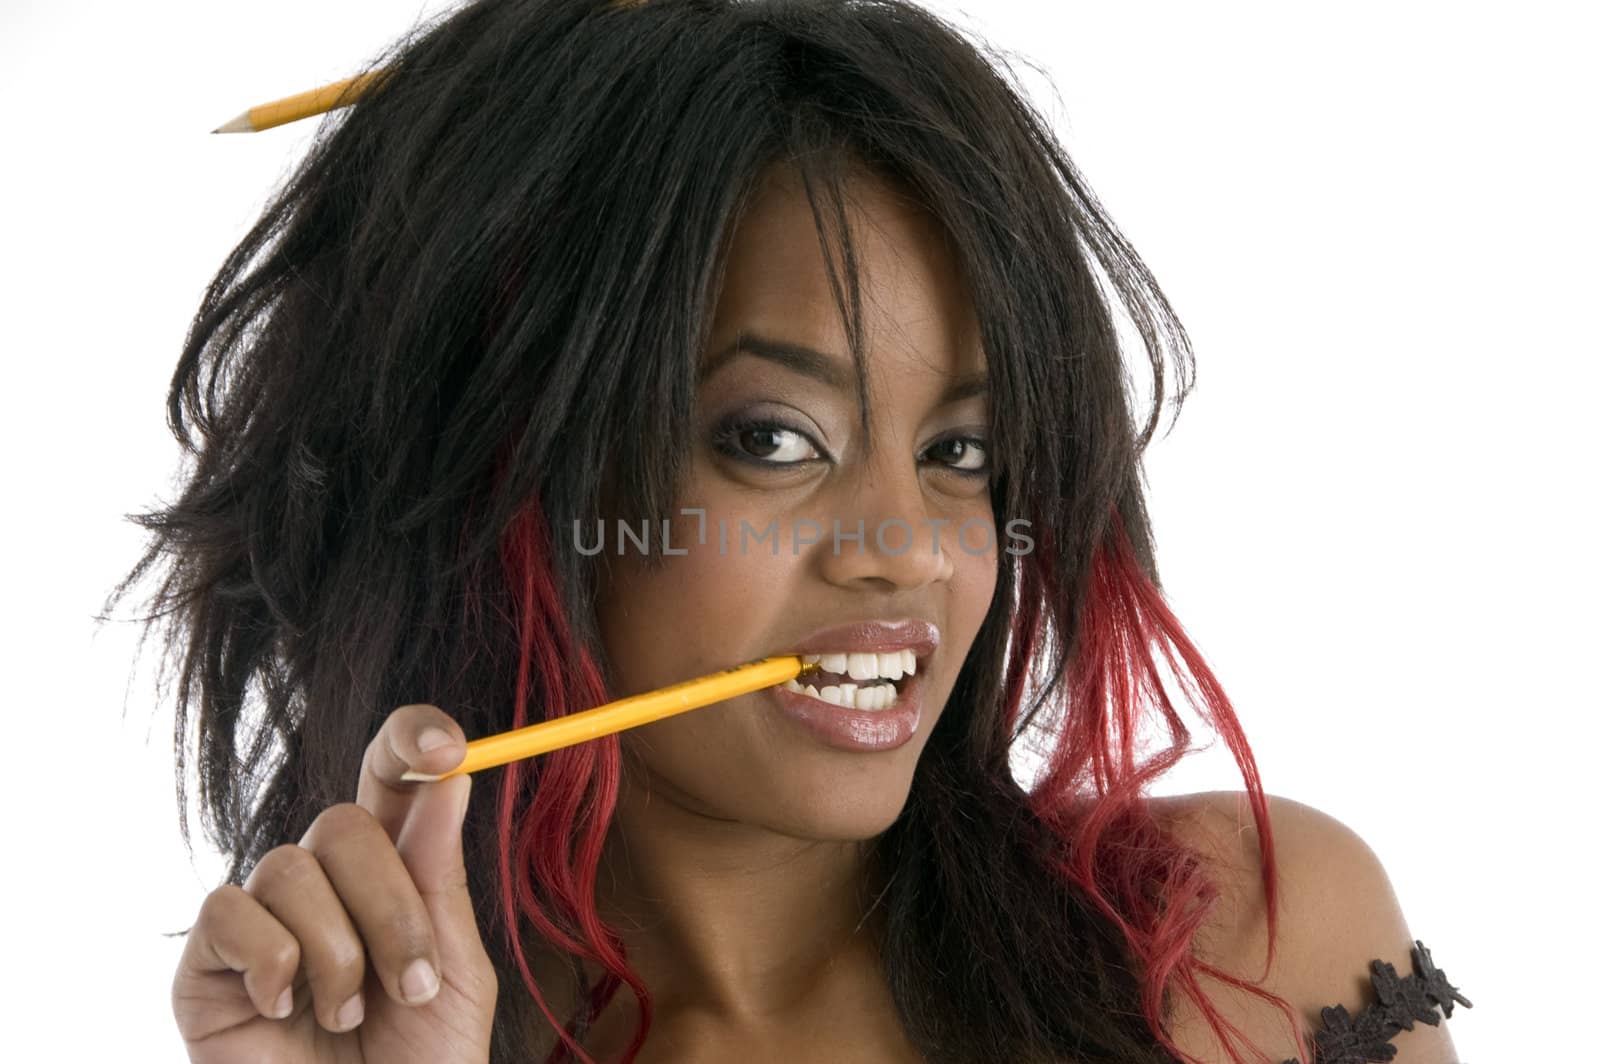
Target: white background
x=1374 y=515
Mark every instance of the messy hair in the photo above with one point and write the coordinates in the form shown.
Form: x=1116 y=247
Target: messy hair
x=469 y=317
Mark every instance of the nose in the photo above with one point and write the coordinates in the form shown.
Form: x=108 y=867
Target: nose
x=888 y=539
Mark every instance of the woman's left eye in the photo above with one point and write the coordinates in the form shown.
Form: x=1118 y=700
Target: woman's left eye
x=962 y=454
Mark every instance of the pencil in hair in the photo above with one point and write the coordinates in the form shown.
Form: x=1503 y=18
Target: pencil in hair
x=302 y=105
x=319 y=101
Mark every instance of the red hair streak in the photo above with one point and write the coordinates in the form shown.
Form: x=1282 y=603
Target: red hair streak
x=549 y=845
x=1116 y=850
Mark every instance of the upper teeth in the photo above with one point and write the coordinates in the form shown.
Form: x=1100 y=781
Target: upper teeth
x=889 y=666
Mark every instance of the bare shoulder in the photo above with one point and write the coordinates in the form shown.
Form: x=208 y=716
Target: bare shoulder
x=1337 y=913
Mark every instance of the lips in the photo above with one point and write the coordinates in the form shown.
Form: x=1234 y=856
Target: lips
x=881 y=723
x=871 y=637
x=854 y=730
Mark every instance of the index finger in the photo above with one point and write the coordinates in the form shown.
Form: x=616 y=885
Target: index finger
x=418 y=738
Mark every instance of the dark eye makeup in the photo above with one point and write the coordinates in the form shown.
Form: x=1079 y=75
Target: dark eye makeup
x=755 y=438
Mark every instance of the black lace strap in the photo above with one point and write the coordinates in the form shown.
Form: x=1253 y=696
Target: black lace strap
x=1364 y=1038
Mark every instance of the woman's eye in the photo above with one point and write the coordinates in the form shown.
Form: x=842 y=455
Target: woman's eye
x=963 y=454
x=771 y=443
x=766 y=442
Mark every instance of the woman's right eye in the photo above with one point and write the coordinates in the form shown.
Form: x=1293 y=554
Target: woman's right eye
x=765 y=442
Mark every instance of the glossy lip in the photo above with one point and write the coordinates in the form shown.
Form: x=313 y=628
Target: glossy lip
x=920 y=637
x=863 y=730
x=856 y=729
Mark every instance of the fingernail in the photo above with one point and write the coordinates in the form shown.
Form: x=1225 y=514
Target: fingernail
x=284 y=1005
x=349 y=1013
x=432 y=738
x=419 y=982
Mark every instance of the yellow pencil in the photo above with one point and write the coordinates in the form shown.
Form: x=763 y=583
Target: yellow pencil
x=318 y=101
x=615 y=716
x=303 y=105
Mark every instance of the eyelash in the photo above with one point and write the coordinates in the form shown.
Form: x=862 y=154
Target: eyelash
x=725 y=440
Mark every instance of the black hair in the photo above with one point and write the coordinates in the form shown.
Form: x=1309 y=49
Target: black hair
x=489 y=282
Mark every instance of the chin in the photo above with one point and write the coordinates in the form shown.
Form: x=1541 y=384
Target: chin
x=843 y=811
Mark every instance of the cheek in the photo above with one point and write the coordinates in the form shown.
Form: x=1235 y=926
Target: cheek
x=972 y=588
x=976 y=602
x=693 y=613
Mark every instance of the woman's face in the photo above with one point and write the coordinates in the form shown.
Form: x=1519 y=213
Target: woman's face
x=776 y=442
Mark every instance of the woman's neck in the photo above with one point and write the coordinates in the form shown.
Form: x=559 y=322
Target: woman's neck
x=733 y=921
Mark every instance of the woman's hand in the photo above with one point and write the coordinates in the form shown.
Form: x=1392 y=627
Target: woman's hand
x=358 y=944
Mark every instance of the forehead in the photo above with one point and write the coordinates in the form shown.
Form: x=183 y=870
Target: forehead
x=913 y=296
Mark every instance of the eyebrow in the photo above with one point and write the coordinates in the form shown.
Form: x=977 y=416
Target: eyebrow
x=809 y=362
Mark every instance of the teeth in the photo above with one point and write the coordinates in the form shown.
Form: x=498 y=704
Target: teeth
x=892 y=665
x=863 y=666
x=849 y=695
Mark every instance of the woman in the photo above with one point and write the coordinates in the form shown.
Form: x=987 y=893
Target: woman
x=805 y=298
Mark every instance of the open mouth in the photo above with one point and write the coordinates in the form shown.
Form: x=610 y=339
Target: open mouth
x=862 y=681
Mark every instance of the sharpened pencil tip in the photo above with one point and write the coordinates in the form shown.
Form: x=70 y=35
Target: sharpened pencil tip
x=419 y=777
x=242 y=124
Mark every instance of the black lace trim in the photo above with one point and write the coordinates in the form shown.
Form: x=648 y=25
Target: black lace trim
x=1364 y=1038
